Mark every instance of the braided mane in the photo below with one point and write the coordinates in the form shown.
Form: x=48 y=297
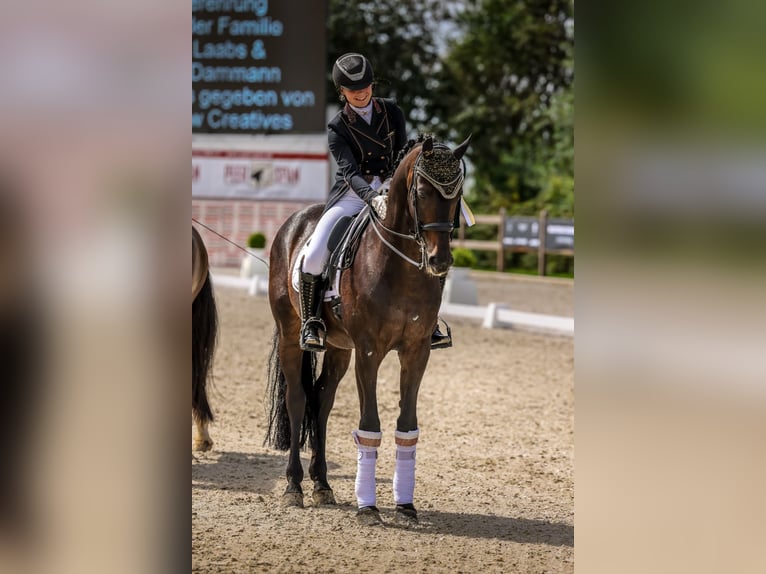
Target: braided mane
x=406 y=149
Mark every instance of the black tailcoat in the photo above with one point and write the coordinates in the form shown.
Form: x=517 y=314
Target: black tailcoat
x=363 y=151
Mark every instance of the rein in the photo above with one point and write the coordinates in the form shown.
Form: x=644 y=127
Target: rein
x=377 y=223
x=211 y=230
x=448 y=190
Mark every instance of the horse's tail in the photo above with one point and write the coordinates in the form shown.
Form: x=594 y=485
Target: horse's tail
x=278 y=433
x=204 y=337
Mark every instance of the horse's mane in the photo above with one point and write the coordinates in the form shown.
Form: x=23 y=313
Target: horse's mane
x=411 y=143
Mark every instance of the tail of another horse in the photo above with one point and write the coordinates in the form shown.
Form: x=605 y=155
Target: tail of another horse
x=278 y=433
x=204 y=336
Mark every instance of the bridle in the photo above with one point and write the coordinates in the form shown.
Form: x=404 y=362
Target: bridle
x=448 y=189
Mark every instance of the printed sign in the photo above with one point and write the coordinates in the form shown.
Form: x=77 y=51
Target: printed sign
x=259 y=175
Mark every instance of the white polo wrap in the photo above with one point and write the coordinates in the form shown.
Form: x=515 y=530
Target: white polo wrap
x=367 y=443
x=404 y=472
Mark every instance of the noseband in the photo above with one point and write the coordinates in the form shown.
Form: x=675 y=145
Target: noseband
x=436 y=167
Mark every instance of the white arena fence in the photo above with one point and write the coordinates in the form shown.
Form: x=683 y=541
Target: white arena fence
x=492 y=316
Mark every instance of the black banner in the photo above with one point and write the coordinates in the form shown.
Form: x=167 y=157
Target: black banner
x=559 y=234
x=524 y=232
x=258 y=66
x=521 y=232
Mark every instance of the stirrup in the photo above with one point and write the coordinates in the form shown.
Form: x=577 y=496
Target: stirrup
x=438 y=339
x=313 y=335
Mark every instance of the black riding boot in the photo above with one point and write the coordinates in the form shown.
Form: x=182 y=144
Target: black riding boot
x=312 y=327
x=438 y=339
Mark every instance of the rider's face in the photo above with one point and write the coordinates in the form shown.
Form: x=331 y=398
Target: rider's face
x=358 y=98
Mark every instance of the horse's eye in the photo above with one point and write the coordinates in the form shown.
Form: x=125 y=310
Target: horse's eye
x=424 y=191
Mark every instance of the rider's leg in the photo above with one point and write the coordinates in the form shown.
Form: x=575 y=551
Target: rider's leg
x=312 y=329
x=312 y=268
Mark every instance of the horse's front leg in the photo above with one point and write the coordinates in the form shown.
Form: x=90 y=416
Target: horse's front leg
x=413 y=361
x=368 y=436
x=334 y=366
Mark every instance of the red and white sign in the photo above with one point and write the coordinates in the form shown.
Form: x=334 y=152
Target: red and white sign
x=260 y=175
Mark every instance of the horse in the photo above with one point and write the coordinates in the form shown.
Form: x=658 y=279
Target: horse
x=389 y=301
x=204 y=337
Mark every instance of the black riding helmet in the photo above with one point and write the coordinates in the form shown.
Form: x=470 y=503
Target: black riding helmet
x=352 y=71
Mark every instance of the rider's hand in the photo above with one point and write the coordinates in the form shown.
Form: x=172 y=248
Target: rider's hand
x=379 y=204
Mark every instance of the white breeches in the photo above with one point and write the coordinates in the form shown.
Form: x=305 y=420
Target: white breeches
x=317 y=253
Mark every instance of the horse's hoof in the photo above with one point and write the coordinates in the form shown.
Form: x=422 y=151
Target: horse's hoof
x=406 y=513
x=202 y=445
x=323 y=497
x=292 y=499
x=369 y=516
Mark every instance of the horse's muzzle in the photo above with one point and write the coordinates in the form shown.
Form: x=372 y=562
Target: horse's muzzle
x=439 y=266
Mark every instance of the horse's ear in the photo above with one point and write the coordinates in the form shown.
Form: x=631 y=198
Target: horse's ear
x=428 y=145
x=460 y=150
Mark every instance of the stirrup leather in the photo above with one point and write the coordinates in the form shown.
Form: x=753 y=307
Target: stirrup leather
x=438 y=339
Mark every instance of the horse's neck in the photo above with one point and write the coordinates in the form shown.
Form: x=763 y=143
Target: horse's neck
x=397 y=211
x=397 y=219
x=390 y=268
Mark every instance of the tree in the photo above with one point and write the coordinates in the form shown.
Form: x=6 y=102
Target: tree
x=554 y=172
x=508 y=80
x=402 y=40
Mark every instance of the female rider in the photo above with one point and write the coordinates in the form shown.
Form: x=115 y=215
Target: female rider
x=365 y=138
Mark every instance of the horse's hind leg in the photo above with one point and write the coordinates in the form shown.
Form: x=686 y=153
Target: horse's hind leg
x=202 y=440
x=291 y=360
x=334 y=366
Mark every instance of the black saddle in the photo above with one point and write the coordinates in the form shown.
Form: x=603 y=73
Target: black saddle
x=343 y=245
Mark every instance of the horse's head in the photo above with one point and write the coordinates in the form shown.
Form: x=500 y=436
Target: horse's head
x=434 y=179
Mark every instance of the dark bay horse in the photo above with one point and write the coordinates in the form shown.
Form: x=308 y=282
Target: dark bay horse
x=204 y=334
x=389 y=301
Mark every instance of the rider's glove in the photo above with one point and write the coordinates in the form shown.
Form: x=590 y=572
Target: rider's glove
x=379 y=204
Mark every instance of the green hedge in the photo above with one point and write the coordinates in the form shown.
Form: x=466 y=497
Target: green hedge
x=256 y=240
